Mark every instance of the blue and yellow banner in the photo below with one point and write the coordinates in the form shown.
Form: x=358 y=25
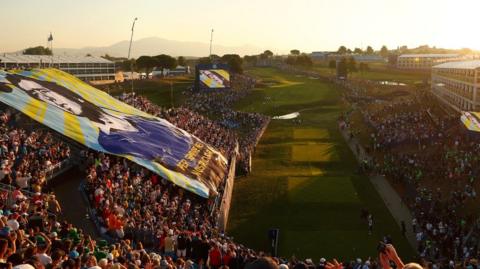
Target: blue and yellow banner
x=103 y=123
x=471 y=120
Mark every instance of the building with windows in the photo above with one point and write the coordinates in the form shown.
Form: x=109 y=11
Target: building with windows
x=424 y=61
x=86 y=68
x=457 y=84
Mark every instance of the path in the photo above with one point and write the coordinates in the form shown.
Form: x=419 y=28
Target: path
x=66 y=187
x=394 y=203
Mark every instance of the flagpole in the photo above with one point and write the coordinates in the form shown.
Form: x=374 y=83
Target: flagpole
x=50 y=39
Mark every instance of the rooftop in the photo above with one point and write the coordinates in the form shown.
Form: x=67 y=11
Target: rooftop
x=25 y=59
x=473 y=64
x=432 y=55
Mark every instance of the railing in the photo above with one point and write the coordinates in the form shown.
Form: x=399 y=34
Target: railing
x=224 y=209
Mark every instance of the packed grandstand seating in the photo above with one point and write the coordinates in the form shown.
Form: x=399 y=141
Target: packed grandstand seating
x=151 y=223
x=210 y=132
x=221 y=126
x=28 y=156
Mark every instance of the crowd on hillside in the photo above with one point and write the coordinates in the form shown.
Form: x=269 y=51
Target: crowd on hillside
x=219 y=104
x=436 y=162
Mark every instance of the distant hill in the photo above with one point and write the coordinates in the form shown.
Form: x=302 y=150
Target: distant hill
x=155 y=45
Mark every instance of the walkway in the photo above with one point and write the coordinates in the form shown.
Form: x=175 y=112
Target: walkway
x=66 y=188
x=394 y=203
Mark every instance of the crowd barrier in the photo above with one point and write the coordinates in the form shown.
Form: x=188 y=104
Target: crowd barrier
x=224 y=209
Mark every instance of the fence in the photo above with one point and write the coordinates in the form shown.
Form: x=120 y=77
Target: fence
x=224 y=209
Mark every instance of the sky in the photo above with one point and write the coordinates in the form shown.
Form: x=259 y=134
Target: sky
x=279 y=25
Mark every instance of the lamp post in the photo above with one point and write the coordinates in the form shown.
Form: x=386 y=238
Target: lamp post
x=211 y=41
x=129 y=49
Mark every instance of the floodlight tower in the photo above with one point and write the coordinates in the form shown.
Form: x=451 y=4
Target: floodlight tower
x=129 y=49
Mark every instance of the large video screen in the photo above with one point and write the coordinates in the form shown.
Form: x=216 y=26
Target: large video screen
x=213 y=76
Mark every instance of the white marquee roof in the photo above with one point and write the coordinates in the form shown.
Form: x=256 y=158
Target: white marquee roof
x=428 y=55
x=474 y=64
x=56 y=59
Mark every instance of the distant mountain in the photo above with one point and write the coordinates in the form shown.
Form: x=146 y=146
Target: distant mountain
x=155 y=45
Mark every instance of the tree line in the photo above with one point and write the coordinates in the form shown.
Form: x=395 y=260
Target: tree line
x=368 y=51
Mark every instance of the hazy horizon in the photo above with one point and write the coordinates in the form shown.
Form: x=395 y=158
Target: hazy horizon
x=282 y=25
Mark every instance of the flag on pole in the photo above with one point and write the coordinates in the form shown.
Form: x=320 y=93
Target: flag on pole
x=50 y=38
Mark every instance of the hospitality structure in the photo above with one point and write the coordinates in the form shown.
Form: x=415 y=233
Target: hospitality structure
x=457 y=84
x=424 y=61
x=86 y=68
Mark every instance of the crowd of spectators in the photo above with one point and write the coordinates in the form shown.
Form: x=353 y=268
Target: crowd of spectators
x=219 y=104
x=427 y=153
x=210 y=116
x=28 y=156
x=207 y=130
x=154 y=224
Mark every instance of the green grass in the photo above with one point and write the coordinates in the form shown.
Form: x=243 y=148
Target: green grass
x=379 y=73
x=304 y=179
x=158 y=90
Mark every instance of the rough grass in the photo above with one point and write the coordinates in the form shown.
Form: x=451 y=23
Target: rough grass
x=379 y=72
x=314 y=200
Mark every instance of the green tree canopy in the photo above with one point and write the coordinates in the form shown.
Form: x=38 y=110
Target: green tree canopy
x=165 y=61
x=358 y=51
x=295 y=52
x=342 y=50
x=126 y=65
x=384 y=51
x=234 y=61
x=181 y=61
x=39 y=50
x=250 y=59
x=370 y=50
x=146 y=63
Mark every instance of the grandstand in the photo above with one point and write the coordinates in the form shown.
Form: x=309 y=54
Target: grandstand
x=86 y=68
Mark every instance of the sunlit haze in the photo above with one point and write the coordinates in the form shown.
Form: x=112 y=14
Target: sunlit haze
x=279 y=25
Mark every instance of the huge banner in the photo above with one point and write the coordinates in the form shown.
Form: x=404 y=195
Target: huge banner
x=213 y=76
x=471 y=120
x=103 y=123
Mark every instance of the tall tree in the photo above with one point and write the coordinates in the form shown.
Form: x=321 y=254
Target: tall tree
x=370 y=50
x=295 y=52
x=127 y=65
x=234 y=61
x=358 y=51
x=250 y=59
x=38 y=50
x=342 y=50
x=181 y=61
x=146 y=63
x=384 y=51
x=304 y=60
x=165 y=61
x=266 y=54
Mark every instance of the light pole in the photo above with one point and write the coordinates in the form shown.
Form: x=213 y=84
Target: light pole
x=211 y=40
x=129 y=49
